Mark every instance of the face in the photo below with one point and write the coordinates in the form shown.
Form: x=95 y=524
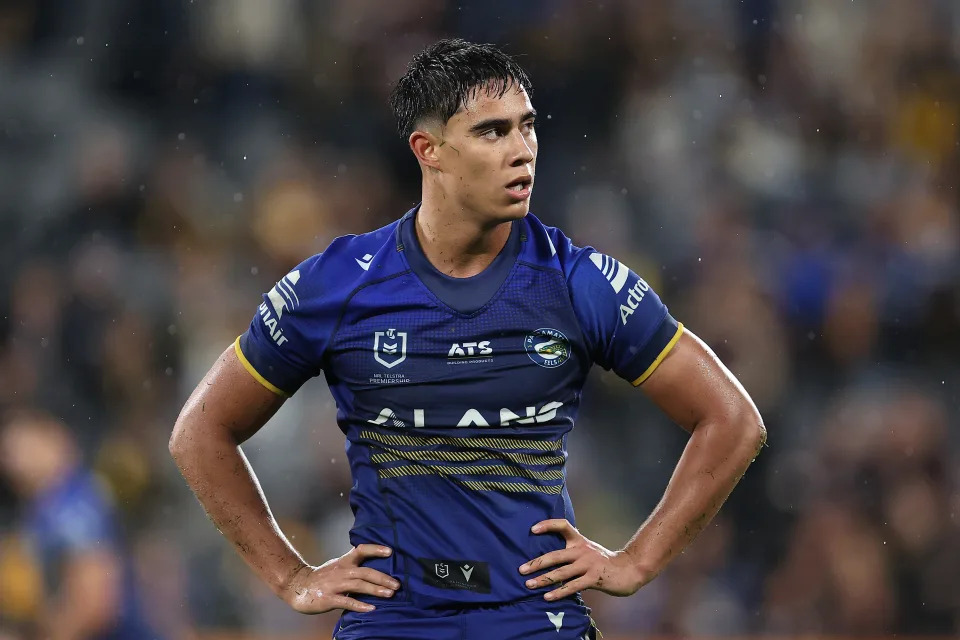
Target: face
x=29 y=456
x=486 y=155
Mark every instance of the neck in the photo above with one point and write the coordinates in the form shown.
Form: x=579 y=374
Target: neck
x=455 y=241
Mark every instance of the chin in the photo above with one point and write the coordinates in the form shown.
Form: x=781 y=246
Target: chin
x=515 y=210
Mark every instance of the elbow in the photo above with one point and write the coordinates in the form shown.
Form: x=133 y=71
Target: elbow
x=177 y=443
x=173 y=445
x=740 y=427
x=757 y=435
x=752 y=431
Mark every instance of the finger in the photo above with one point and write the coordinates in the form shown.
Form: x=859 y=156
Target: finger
x=563 y=527
x=580 y=584
x=556 y=576
x=348 y=603
x=364 y=551
x=375 y=577
x=560 y=556
x=354 y=587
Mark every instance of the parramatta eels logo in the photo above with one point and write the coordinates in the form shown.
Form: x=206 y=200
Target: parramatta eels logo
x=547 y=347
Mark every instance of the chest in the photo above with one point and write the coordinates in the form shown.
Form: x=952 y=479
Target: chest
x=401 y=355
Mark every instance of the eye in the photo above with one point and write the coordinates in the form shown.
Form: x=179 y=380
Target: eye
x=491 y=134
x=529 y=126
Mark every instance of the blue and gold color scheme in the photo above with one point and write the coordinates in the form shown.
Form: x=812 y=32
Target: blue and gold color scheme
x=452 y=465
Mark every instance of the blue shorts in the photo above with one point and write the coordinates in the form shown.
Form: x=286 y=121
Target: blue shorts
x=534 y=619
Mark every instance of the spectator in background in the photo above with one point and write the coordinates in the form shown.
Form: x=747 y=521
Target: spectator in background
x=88 y=588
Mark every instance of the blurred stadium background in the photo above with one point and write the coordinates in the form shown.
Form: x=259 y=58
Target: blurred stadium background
x=784 y=172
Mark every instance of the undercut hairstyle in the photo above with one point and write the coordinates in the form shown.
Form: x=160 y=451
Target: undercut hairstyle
x=442 y=77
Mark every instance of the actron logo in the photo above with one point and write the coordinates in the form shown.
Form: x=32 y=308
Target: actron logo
x=634 y=297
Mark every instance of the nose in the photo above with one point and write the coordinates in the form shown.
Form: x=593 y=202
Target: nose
x=521 y=151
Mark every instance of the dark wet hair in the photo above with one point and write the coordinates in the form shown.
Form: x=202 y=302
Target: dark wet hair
x=443 y=76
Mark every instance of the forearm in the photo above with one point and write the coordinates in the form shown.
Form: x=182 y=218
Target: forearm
x=223 y=481
x=715 y=458
x=88 y=604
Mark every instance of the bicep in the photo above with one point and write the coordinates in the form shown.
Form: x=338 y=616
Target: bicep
x=229 y=398
x=692 y=385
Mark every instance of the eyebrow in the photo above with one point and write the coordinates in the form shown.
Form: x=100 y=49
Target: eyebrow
x=498 y=123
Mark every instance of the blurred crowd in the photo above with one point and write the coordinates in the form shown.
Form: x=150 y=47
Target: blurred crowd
x=784 y=173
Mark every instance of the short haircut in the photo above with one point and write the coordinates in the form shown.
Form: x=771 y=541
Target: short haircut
x=442 y=77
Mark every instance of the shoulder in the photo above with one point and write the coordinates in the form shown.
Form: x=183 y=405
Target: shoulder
x=347 y=264
x=550 y=247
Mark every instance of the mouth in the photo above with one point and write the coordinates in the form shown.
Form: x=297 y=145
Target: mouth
x=520 y=188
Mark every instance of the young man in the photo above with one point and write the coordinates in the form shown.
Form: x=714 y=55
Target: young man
x=456 y=342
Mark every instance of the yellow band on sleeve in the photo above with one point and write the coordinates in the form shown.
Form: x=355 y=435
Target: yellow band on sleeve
x=663 y=354
x=256 y=374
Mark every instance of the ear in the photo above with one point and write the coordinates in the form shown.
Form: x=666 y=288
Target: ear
x=426 y=146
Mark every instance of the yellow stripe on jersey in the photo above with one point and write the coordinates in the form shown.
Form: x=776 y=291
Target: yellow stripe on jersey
x=663 y=354
x=396 y=455
x=485 y=470
x=484 y=442
x=256 y=374
x=476 y=485
x=512 y=487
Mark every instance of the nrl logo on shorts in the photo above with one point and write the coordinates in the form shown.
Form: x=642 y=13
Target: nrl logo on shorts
x=390 y=347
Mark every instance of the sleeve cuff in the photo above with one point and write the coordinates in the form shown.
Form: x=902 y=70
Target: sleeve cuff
x=663 y=354
x=256 y=374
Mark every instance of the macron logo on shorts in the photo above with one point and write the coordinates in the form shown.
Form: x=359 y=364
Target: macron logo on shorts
x=282 y=296
x=613 y=270
x=556 y=619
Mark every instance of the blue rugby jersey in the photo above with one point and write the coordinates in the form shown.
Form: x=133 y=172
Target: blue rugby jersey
x=456 y=396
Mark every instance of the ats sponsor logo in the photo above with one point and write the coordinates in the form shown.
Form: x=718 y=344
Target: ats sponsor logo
x=470 y=352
